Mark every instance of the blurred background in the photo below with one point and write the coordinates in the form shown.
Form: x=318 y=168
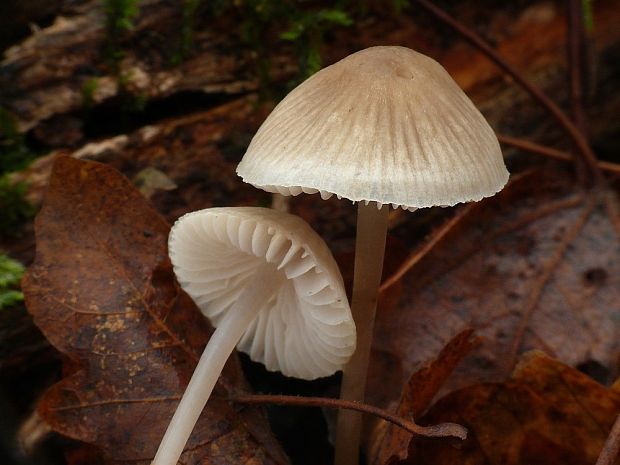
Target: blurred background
x=170 y=92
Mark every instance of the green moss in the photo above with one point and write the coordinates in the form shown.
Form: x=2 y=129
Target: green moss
x=131 y=100
x=11 y=272
x=14 y=207
x=88 y=92
x=588 y=16
x=134 y=103
x=14 y=154
x=119 y=16
x=261 y=22
x=293 y=22
x=307 y=30
x=187 y=27
x=190 y=10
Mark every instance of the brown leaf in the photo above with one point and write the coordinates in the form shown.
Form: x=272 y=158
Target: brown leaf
x=548 y=413
x=535 y=267
x=103 y=292
x=392 y=442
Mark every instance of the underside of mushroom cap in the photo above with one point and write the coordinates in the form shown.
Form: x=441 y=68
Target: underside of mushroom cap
x=386 y=124
x=305 y=329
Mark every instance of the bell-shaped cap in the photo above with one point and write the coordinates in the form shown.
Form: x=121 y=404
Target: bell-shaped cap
x=385 y=124
x=305 y=330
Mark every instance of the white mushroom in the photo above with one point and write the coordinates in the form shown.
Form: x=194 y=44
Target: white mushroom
x=271 y=287
x=388 y=126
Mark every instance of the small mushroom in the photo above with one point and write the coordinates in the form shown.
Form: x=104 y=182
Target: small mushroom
x=384 y=126
x=271 y=287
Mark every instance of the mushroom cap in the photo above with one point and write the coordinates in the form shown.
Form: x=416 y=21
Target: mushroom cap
x=305 y=330
x=386 y=124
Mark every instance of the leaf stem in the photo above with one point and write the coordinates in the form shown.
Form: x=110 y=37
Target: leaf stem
x=440 y=430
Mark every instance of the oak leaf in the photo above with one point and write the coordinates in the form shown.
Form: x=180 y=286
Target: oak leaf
x=548 y=413
x=103 y=292
x=388 y=442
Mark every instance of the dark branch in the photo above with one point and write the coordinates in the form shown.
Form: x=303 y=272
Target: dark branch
x=550 y=152
x=440 y=430
x=470 y=36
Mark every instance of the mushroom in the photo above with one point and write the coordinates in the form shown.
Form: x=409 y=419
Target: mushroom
x=271 y=287
x=384 y=126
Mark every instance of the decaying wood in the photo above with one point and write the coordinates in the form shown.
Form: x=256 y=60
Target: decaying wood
x=197 y=152
x=46 y=74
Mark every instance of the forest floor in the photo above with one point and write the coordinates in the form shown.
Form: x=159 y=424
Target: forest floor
x=502 y=316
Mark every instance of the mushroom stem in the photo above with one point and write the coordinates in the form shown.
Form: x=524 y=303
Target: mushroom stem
x=280 y=202
x=372 y=225
x=255 y=295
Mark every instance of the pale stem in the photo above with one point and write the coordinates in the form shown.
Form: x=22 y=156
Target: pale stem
x=280 y=202
x=257 y=292
x=369 y=251
x=609 y=454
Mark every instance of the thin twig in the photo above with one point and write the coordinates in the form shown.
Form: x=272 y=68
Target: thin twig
x=574 y=46
x=470 y=36
x=551 y=152
x=612 y=205
x=437 y=235
x=576 y=63
x=609 y=454
x=440 y=430
x=417 y=255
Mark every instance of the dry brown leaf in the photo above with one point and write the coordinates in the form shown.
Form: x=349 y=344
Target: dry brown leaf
x=390 y=443
x=536 y=267
x=548 y=413
x=103 y=292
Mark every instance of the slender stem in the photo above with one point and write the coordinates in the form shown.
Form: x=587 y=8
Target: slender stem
x=280 y=202
x=610 y=451
x=434 y=431
x=220 y=346
x=369 y=250
x=579 y=140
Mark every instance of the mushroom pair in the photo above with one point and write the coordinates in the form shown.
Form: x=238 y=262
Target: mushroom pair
x=384 y=126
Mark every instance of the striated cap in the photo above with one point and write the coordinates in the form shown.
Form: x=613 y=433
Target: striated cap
x=385 y=124
x=305 y=329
